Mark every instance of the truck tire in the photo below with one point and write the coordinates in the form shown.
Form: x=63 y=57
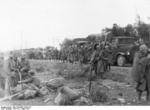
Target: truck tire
x=121 y=60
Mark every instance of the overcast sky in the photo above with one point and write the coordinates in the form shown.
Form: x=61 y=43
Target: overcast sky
x=38 y=23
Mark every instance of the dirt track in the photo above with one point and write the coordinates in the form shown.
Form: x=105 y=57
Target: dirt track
x=118 y=81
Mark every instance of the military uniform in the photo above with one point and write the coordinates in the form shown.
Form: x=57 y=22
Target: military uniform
x=102 y=63
x=13 y=71
x=24 y=67
x=108 y=58
x=94 y=61
x=140 y=72
x=27 y=74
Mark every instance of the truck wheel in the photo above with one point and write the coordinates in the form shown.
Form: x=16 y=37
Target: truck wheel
x=121 y=60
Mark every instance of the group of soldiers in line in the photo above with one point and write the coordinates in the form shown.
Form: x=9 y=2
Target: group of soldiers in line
x=78 y=53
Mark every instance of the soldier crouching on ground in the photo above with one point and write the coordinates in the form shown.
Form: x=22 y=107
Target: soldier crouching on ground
x=140 y=71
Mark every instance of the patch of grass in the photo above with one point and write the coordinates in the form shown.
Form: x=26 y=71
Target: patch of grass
x=40 y=68
x=70 y=71
x=41 y=65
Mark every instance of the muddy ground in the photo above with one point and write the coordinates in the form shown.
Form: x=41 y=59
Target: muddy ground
x=118 y=81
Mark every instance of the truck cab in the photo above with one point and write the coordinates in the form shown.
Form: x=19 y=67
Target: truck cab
x=123 y=51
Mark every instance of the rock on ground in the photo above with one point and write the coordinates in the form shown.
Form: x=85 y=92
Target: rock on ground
x=82 y=101
x=72 y=94
x=66 y=96
x=56 y=83
x=62 y=99
x=43 y=91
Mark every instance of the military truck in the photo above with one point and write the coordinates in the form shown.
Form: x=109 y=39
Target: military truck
x=123 y=50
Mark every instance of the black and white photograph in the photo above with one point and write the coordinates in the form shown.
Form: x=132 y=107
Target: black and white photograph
x=74 y=53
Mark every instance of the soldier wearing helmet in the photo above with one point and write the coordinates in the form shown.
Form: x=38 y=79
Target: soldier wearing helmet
x=94 y=59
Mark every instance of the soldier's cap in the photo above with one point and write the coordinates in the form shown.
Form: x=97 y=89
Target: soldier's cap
x=143 y=47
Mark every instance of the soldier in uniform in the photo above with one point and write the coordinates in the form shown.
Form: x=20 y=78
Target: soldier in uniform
x=139 y=71
x=94 y=59
x=11 y=76
x=26 y=72
x=13 y=70
x=108 y=57
x=102 y=63
x=24 y=65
